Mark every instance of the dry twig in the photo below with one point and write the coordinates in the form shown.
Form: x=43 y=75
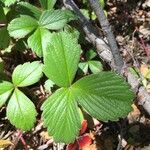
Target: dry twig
x=105 y=52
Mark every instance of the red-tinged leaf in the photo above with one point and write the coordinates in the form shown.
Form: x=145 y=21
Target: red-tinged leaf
x=73 y=146
x=84 y=127
x=84 y=141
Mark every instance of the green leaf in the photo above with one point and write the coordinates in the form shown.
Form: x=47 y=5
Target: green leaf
x=61 y=59
x=61 y=116
x=48 y=4
x=72 y=31
x=39 y=41
x=5 y=86
x=28 y=9
x=105 y=96
x=27 y=74
x=90 y=54
x=2 y=15
x=95 y=66
x=134 y=71
x=148 y=75
x=9 y=2
x=102 y=3
x=20 y=27
x=4 y=38
x=21 y=111
x=53 y=19
x=86 y=13
x=5 y=91
x=84 y=67
x=70 y=15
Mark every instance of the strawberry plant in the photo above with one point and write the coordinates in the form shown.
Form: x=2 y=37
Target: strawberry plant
x=93 y=65
x=20 y=110
x=103 y=95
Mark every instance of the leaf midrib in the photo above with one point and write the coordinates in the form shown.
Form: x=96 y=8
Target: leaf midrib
x=65 y=61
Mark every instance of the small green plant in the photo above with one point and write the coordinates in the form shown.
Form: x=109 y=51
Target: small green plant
x=103 y=95
x=94 y=65
x=20 y=110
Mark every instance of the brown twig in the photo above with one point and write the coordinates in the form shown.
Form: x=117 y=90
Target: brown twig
x=16 y=140
x=102 y=48
x=118 y=61
x=101 y=45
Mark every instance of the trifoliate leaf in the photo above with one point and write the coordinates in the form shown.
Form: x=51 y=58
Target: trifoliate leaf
x=61 y=116
x=21 y=111
x=90 y=54
x=5 y=91
x=26 y=8
x=61 y=59
x=84 y=67
x=39 y=40
x=53 y=19
x=95 y=66
x=20 y=27
x=47 y=4
x=27 y=74
x=4 y=38
x=106 y=96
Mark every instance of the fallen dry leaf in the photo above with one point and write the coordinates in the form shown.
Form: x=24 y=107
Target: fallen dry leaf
x=73 y=146
x=134 y=115
x=45 y=135
x=84 y=141
x=144 y=69
x=5 y=143
x=90 y=147
x=84 y=127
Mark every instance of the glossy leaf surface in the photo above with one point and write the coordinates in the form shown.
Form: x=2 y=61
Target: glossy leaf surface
x=39 y=40
x=95 y=66
x=105 y=96
x=61 y=59
x=20 y=27
x=27 y=74
x=26 y=8
x=5 y=91
x=61 y=116
x=54 y=19
x=21 y=111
